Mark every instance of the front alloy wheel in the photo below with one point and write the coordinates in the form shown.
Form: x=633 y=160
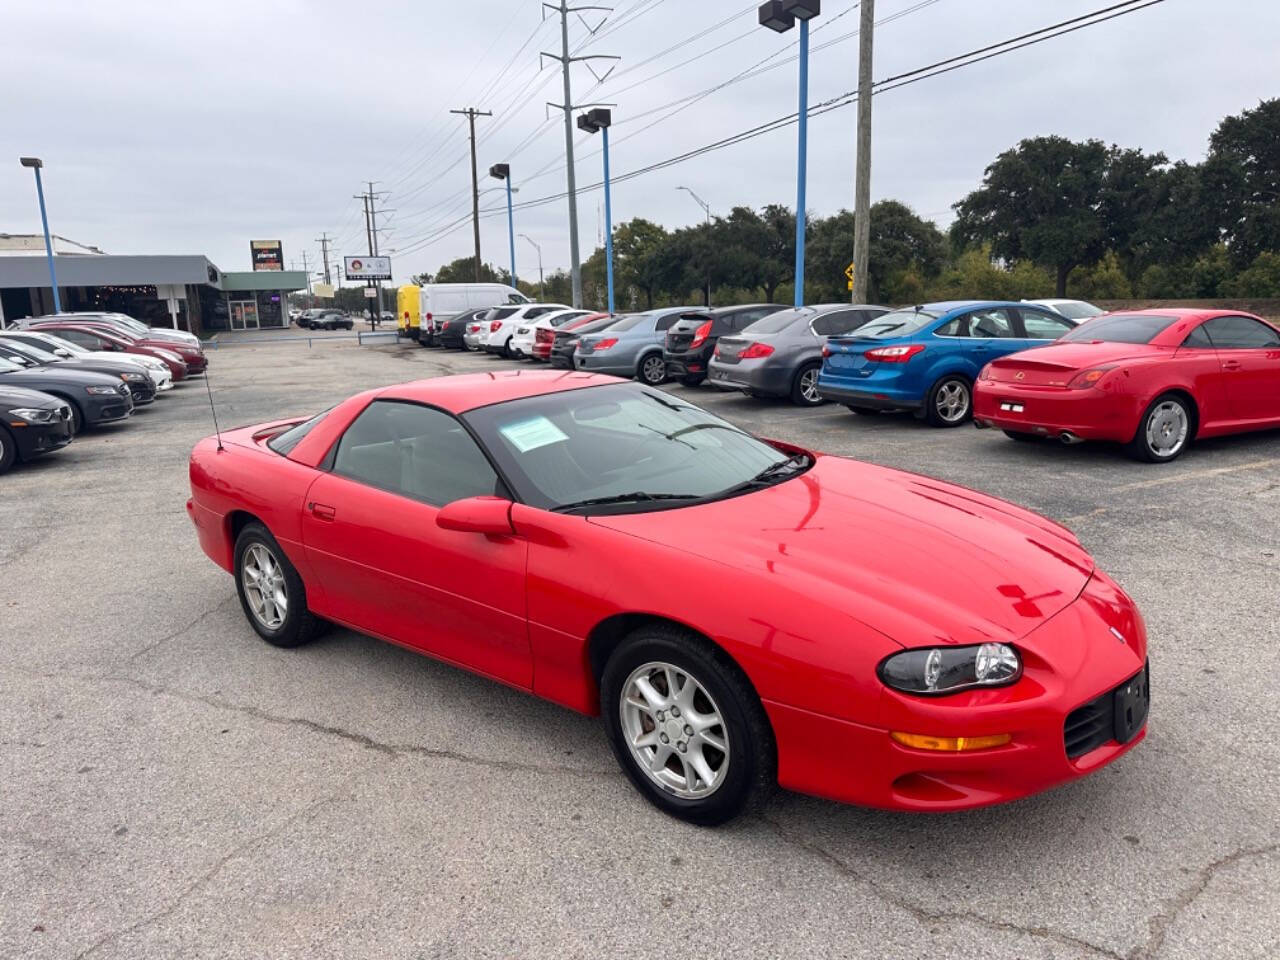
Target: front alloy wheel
x=653 y=370
x=674 y=729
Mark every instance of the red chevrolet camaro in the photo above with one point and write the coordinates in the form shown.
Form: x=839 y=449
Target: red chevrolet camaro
x=1152 y=379
x=742 y=612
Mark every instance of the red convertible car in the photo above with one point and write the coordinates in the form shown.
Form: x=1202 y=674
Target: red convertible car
x=742 y=612
x=1152 y=379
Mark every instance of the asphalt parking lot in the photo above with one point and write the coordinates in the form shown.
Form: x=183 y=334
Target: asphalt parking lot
x=175 y=787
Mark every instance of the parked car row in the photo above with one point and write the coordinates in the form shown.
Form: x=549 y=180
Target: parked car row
x=323 y=319
x=1153 y=380
x=64 y=373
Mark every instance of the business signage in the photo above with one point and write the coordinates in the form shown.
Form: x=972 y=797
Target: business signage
x=267 y=254
x=367 y=268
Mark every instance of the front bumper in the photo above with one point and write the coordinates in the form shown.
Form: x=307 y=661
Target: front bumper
x=36 y=439
x=142 y=392
x=753 y=376
x=1088 y=414
x=1071 y=662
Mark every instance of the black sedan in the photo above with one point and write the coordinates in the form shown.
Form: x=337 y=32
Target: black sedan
x=692 y=339
x=31 y=423
x=780 y=356
x=449 y=332
x=94 y=398
x=141 y=386
x=566 y=341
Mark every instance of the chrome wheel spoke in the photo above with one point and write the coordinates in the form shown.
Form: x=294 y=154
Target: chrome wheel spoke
x=651 y=696
x=711 y=740
x=698 y=762
x=658 y=761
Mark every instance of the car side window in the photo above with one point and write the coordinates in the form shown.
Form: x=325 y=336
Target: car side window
x=838 y=322
x=1044 y=326
x=83 y=339
x=415 y=451
x=1198 y=337
x=991 y=324
x=1241 y=333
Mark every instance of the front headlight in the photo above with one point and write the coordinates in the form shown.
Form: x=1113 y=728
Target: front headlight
x=101 y=391
x=134 y=377
x=937 y=670
x=34 y=416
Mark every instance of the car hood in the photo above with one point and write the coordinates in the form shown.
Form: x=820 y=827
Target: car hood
x=22 y=397
x=920 y=560
x=58 y=376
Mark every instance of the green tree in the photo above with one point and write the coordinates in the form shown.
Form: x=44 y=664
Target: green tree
x=639 y=264
x=463 y=270
x=1104 y=280
x=1261 y=279
x=1040 y=201
x=1243 y=173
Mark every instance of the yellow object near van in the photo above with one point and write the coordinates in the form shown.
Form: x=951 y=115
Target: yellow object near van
x=409 y=311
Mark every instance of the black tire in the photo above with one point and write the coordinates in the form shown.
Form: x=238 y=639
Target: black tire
x=8 y=450
x=945 y=388
x=505 y=351
x=298 y=625
x=1023 y=437
x=799 y=395
x=863 y=411
x=748 y=769
x=693 y=379
x=1168 y=407
x=651 y=369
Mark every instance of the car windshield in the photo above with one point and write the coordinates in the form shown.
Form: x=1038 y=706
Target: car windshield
x=1076 y=310
x=1121 y=328
x=29 y=350
x=777 y=322
x=623 y=448
x=51 y=342
x=899 y=323
x=8 y=366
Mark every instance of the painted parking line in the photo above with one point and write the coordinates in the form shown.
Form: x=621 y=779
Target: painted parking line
x=1191 y=475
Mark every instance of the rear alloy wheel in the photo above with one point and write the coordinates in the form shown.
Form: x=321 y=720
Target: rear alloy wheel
x=686 y=726
x=1164 y=431
x=271 y=593
x=950 y=402
x=804 y=389
x=653 y=369
x=8 y=450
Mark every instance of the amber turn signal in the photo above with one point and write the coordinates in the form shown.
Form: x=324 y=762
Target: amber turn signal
x=920 y=741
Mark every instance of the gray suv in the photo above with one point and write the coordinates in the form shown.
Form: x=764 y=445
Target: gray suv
x=780 y=356
x=631 y=347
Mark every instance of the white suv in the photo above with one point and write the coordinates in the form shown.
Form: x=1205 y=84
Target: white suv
x=504 y=320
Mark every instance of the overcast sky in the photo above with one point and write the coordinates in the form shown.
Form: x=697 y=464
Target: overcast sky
x=194 y=127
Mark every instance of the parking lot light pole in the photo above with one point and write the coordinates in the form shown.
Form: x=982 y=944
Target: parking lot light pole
x=593 y=121
x=706 y=209
x=35 y=164
x=781 y=15
x=542 y=289
x=502 y=171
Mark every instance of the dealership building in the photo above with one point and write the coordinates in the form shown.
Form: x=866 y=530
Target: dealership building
x=185 y=292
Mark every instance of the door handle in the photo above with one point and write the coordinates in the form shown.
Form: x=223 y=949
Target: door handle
x=1230 y=364
x=321 y=511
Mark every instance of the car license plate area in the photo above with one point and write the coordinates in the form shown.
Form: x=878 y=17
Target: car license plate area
x=1131 y=702
x=1010 y=406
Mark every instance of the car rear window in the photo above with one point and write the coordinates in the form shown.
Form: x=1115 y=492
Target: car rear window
x=777 y=322
x=628 y=322
x=1121 y=328
x=283 y=443
x=899 y=323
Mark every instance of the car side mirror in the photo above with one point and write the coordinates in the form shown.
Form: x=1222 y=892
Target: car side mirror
x=491 y=515
x=62 y=352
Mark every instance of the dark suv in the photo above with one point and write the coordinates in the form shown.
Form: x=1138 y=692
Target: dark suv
x=692 y=339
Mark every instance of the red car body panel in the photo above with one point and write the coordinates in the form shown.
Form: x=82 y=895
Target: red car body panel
x=191 y=356
x=542 y=349
x=112 y=339
x=807 y=585
x=1233 y=390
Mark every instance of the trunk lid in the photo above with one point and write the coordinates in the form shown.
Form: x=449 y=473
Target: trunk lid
x=1056 y=364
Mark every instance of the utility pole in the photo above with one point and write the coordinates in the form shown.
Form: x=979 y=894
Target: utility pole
x=324 y=252
x=471 y=113
x=311 y=301
x=563 y=8
x=862 y=184
x=371 y=237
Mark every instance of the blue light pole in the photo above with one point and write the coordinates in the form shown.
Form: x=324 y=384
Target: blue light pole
x=780 y=16
x=35 y=164
x=502 y=171
x=594 y=120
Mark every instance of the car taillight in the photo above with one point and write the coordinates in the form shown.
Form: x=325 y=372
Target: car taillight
x=428 y=317
x=473 y=328
x=826 y=350
x=894 y=354
x=1088 y=378
x=543 y=335
x=494 y=325
x=700 y=335
x=606 y=344
x=985 y=373
x=755 y=351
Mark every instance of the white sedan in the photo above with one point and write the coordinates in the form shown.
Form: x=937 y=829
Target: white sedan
x=153 y=367
x=504 y=320
x=527 y=331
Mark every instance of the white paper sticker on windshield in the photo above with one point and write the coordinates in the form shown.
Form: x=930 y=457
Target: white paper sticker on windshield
x=526 y=435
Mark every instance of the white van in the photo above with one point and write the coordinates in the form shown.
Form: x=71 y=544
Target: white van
x=442 y=301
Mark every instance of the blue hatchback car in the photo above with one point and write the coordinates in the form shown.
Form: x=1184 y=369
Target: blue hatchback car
x=926 y=358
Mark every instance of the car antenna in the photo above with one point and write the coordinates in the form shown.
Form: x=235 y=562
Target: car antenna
x=213 y=410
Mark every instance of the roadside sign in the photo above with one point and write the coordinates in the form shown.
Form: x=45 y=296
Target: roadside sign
x=370 y=293
x=266 y=254
x=848 y=272
x=367 y=268
x=850 y=285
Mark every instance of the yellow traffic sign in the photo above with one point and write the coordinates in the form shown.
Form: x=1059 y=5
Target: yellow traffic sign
x=850 y=284
x=848 y=272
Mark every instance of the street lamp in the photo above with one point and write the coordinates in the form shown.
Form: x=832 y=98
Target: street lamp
x=35 y=164
x=706 y=208
x=598 y=119
x=781 y=15
x=542 y=290
x=502 y=171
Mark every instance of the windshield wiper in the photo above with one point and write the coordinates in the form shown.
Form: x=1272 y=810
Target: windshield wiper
x=637 y=496
x=782 y=468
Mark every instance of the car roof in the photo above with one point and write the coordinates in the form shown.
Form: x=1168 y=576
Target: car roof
x=467 y=391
